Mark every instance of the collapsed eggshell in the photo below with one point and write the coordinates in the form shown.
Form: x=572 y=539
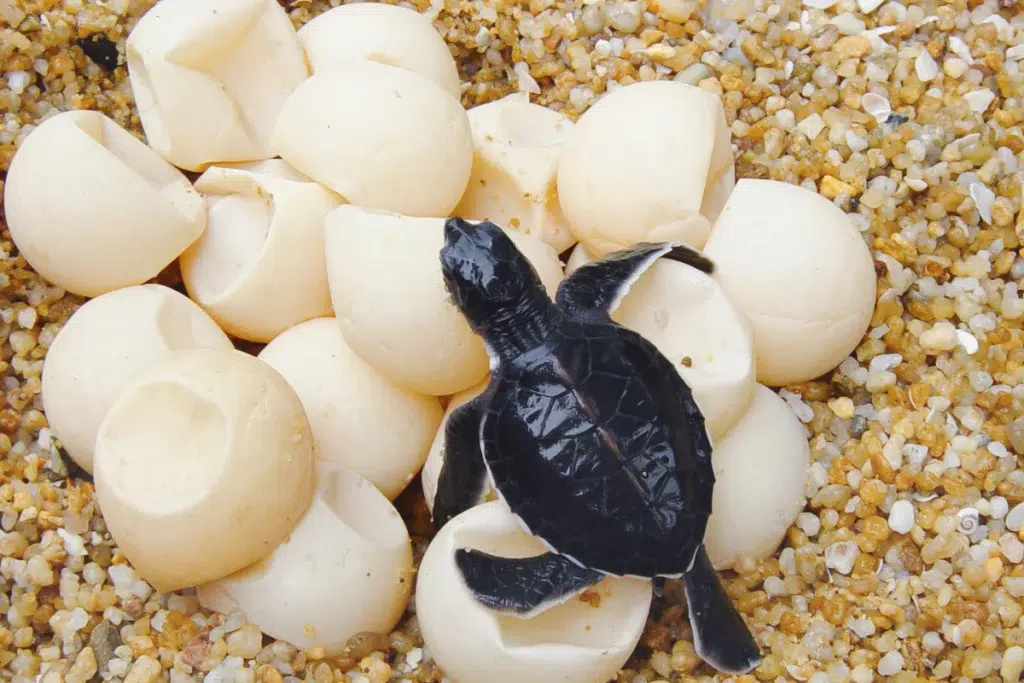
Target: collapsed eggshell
x=258 y=268
x=648 y=162
x=797 y=267
x=360 y=419
x=380 y=136
x=203 y=465
x=389 y=34
x=211 y=76
x=105 y=344
x=77 y=194
x=580 y=641
x=515 y=162
x=384 y=271
x=435 y=458
x=760 y=470
x=345 y=568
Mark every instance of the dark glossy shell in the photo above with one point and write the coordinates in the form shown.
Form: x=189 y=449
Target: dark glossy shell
x=595 y=441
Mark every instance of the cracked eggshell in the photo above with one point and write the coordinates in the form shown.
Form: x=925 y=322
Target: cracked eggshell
x=389 y=34
x=515 y=163
x=380 y=136
x=345 y=569
x=384 y=271
x=203 y=465
x=760 y=473
x=353 y=409
x=76 y=193
x=211 y=76
x=579 y=641
x=620 y=183
x=259 y=269
x=435 y=458
x=798 y=268
x=105 y=344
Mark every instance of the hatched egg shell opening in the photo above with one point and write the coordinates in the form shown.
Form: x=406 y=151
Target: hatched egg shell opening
x=389 y=34
x=583 y=640
x=515 y=164
x=380 y=136
x=620 y=183
x=105 y=344
x=346 y=568
x=384 y=271
x=760 y=473
x=203 y=465
x=210 y=77
x=797 y=267
x=259 y=268
x=435 y=457
x=85 y=237
x=360 y=420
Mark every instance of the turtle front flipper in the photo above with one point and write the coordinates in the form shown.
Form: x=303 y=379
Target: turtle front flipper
x=593 y=291
x=720 y=635
x=522 y=587
x=463 y=476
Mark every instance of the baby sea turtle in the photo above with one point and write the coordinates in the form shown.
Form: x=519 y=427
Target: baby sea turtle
x=587 y=433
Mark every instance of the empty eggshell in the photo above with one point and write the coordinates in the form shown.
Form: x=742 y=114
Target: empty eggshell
x=211 y=76
x=258 y=268
x=384 y=271
x=203 y=465
x=345 y=569
x=648 y=162
x=515 y=162
x=78 y=191
x=352 y=409
x=435 y=458
x=105 y=344
x=389 y=34
x=760 y=470
x=380 y=136
x=795 y=264
x=579 y=641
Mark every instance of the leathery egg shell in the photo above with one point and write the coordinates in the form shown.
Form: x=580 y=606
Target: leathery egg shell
x=796 y=265
x=353 y=409
x=431 y=471
x=105 y=344
x=203 y=465
x=211 y=76
x=78 y=191
x=579 y=641
x=384 y=271
x=258 y=269
x=380 y=136
x=760 y=474
x=688 y=317
x=621 y=181
x=389 y=34
x=345 y=569
x=515 y=162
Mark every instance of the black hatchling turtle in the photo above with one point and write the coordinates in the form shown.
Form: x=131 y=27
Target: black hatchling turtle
x=588 y=434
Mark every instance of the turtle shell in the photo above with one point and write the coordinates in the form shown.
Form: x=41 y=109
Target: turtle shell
x=595 y=441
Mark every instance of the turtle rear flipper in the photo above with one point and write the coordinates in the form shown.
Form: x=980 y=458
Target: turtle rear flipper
x=522 y=587
x=720 y=635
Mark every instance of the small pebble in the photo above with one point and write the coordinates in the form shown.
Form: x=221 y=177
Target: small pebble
x=891 y=664
x=1015 y=518
x=901 y=516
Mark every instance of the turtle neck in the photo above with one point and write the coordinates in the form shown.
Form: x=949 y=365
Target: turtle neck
x=517 y=329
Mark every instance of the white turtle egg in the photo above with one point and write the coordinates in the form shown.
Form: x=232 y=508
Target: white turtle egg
x=648 y=162
x=210 y=77
x=380 y=136
x=389 y=34
x=795 y=264
x=384 y=271
x=76 y=194
x=361 y=420
x=203 y=465
x=345 y=568
x=583 y=640
x=258 y=268
x=760 y=470
x=515 y=163
x=435 y=458
x=105 y=344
